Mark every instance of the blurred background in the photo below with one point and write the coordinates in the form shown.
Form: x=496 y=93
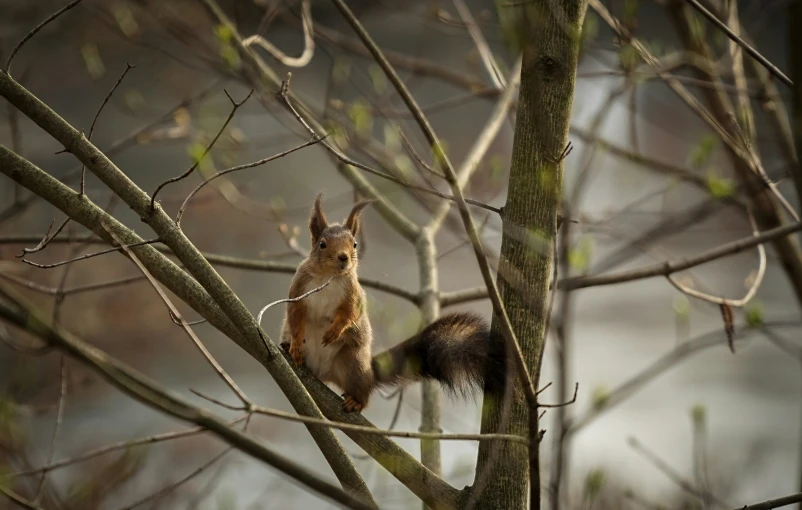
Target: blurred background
x=725 y=423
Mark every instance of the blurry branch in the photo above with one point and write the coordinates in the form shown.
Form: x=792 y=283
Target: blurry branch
x=755 y=285
x=16 y=310
x=174 y=485
x=416 y=65
x=36 y=29
x=233 y=310
x=122 y=445
x=19 y=500
x=217 y=259
x=174 y=313
x=750 y=50
x=774 y=503
x=88 y=255
x=309 y=41
x=128 y=67
x=371 y=430
x=485 y=53
x=234 y=107
x=636 y=383
x=668 y=267
x=672 y=473
x=53 y=291
x=482 y=144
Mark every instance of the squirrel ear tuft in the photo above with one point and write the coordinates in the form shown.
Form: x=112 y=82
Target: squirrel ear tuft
x=352 y=223
x=317 y=221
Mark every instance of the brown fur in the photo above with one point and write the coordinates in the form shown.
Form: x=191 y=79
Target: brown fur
x=329 y=331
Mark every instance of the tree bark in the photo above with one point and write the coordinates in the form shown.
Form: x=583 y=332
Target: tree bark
x=547 y=33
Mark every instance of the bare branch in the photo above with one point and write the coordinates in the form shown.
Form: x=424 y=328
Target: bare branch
x=309 y=41
x=128 y=67
x=16 y=310
x=563 y=404
x=750 y=50
x=481 y=45
x=175 y=313
x=371 y=430
x=774 y=503
x=45 y=240
x=121 y=445
x=89 y=255
x=234 y=108
x=221 y=173
x=669 y=267
x=38 y=27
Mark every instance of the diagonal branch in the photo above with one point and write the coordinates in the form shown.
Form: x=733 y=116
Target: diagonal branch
x=743 y=44
x=16 y=310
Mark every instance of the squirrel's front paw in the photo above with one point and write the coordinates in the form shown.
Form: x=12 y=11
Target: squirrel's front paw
x=352 y=406
x=329 y=337
x=298 y=353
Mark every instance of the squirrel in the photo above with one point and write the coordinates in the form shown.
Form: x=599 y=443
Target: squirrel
x=329 y=331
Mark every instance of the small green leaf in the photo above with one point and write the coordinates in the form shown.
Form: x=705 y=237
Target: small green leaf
x=125 y=20
x=579 y=257
x=224 y=33
x=754 y=315
x=698 y=414
x=682 y=307
x=600 y=397
x=392 y=140
x=719 y=187
x=594 y=482
x=703 y=151
x=378 y=78
x=496 y=169
x=92 y=61
x=362 y=118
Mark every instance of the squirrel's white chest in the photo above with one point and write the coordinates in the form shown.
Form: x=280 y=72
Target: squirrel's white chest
x=321 y=308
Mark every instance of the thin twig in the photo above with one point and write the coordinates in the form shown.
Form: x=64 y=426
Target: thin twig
x=166 y=490
x=671 y=473
x=19 y=500
x=221 y=173
x=669 y=267
x=309 y=41
x=128 y=67
x=89 y=255
x=750 y=50
x=774 y=503
x=175 y=313
x=235 y=106
x=370 y=430
x=36 y=29
x=485 y=53
x=56 y=429
x=45 y=240
x=121 y=445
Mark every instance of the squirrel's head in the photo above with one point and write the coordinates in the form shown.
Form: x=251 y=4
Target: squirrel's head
x=334 y=245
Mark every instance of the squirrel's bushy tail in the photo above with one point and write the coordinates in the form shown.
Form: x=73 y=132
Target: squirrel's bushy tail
x=457 y=350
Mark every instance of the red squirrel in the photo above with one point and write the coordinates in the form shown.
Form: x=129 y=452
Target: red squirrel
x=329 y=330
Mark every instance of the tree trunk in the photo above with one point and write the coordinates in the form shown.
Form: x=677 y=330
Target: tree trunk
x=547 y=33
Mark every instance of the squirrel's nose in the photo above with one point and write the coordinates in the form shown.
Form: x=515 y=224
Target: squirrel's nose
x=343 y=257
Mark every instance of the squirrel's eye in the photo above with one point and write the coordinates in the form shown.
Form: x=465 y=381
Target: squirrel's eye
x=355 y=243
x=322 y=245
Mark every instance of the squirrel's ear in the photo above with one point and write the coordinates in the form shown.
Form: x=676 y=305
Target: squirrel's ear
x=317 y=222
x=352 y=223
